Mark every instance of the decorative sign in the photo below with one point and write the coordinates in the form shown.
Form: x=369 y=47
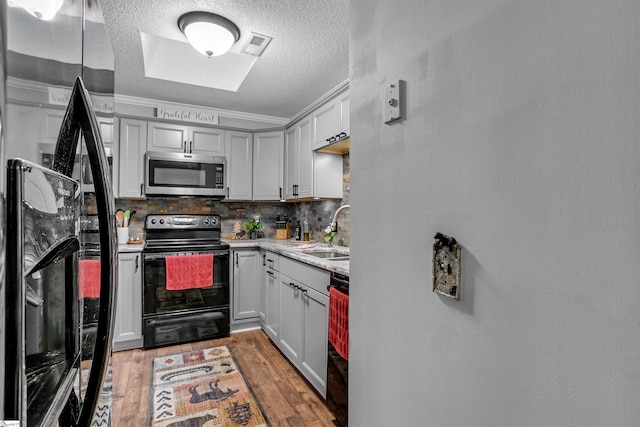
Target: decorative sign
x=185 y=114
x=62 y=96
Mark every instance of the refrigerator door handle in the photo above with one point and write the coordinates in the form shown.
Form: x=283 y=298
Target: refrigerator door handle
x=80 y=117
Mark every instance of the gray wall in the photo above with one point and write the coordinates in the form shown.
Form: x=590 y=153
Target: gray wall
x=521 y=139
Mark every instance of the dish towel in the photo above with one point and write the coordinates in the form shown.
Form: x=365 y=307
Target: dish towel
x=89 y=278
x=189 y=271
x=339 y=322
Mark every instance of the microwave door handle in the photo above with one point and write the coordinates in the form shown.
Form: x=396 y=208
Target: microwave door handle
x=84 y=118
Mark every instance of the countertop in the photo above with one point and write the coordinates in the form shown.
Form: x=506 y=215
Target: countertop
x=130 y=248
x=289 y=249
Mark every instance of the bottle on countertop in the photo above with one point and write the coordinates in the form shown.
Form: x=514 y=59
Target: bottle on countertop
x=296 y=231
x=305 y=227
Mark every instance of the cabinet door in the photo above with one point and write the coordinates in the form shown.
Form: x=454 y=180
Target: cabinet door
x=305 y=159
x=239 y=149
x=268 y=165
x=246 y=283
x=52 y=120
x=128 y=321
x=290 y=339
x=292 y=171
x=133 y=137
x=271 y=325
x=345 y=110
x=313 y=361
x=167 y=137
x=264 y=278
x=326 y=123
x=27 y=124
x=204 y=140
x=106 y=126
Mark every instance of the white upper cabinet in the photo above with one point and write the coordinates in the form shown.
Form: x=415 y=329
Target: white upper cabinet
x=310 y=175
x=299 y=161
x=331 y=121
x=268 y=165
x=326 y=124
x=292 y=163
x=133 y=137
x=345 y=112
x=206 y=141
x=239 y=149
x=185 y=139
x=305 y=157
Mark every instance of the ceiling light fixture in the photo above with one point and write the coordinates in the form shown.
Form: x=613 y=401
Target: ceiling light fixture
x=44 y=10
x=208 y=33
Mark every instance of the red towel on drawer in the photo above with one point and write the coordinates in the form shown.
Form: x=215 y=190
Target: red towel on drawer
x=89 y=278
x=189 y=271
x=339 y=322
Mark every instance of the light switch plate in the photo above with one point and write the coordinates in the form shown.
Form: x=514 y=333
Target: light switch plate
x=393 y=101
x=446 y=266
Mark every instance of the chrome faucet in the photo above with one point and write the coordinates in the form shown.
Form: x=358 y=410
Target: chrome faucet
x=334 y=223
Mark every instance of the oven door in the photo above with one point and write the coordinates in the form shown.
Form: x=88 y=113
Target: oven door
x=172 y=317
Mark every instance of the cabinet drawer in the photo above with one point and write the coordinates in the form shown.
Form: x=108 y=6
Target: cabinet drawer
x=312 y=277
x=272 y=260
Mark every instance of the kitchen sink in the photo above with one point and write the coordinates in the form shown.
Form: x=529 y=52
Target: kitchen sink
x=329 y=255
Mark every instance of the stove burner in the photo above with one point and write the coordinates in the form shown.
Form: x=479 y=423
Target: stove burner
x=183 y=232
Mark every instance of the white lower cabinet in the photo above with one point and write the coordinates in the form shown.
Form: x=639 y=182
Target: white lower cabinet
x=269 y=312
x=304 y=320
x=247 y=269
x=127 y=332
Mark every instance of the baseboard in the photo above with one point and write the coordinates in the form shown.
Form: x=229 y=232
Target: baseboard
x=244 y=327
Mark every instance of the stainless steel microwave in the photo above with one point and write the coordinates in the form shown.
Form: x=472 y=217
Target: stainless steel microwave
x=183 y=174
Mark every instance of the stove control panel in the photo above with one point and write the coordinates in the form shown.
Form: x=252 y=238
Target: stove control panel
x=184 y=221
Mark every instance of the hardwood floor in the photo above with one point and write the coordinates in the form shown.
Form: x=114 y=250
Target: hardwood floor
x=286 y=398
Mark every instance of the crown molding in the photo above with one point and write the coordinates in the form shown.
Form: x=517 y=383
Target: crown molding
x=318 y=102
x=153 y=103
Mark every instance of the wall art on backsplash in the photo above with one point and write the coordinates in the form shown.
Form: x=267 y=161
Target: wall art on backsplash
x=446 y=266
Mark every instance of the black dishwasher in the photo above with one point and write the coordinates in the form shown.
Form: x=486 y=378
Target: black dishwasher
x=338 y=366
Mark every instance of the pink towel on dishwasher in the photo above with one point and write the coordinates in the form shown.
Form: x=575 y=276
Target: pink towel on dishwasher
x=339 y=322
x=189 y=271
x=89 y=278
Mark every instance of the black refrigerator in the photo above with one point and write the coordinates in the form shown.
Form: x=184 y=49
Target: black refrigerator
x=57 y=291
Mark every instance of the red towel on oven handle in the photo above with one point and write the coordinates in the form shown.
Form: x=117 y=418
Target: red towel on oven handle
x=339 y=322
x=189 y=271
x=89 y=278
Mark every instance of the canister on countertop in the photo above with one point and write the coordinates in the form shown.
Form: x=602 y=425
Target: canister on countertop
x=281 y=229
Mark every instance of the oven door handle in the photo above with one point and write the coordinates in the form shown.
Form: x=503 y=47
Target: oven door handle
x=162 y=255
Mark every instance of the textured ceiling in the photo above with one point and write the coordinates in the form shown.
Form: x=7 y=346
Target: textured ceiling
x=308 y=56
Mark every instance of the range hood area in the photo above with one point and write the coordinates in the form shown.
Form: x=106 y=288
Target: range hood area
x=338 y=147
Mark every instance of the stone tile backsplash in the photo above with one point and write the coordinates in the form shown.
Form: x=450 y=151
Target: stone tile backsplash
x=320 y=212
